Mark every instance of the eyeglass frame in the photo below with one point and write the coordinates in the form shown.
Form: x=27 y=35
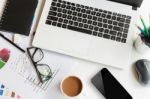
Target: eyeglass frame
x=36 y=63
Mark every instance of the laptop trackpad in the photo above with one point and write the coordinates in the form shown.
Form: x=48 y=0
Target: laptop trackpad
x=76 y=45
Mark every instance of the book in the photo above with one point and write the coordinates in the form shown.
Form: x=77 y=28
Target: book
x=17 y=15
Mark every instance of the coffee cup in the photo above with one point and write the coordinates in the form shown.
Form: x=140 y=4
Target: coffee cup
x=71 y=87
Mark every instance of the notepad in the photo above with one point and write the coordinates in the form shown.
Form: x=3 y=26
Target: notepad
x=17 y=15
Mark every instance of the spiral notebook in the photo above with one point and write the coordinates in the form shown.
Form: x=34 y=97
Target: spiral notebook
x=17 y=15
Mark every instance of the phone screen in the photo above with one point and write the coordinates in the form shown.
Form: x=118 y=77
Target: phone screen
x=109 y=86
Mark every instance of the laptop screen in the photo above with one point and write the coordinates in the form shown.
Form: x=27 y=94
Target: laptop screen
x=135 y=3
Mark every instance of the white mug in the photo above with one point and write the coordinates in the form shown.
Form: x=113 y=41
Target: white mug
x=79 y=95
x=141 y=46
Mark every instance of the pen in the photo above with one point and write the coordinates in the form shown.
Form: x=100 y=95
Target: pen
x=145 y=28
x=12 y=43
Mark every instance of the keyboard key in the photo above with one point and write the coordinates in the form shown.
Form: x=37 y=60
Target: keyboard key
x=106 y=31
x=78 y=9
x=106 y=36
x=60 y=20
x=59 y=10
x=68 y=7
x=63 y=6
x=100 y=24
x=52 y=13
x=125 y=30
x=64 y=11
x=98 y=14
x=79 y=14
x=94 y=18
x=120 y=19
x=118 y=39
x=110 y=26
x=105 y=20
x=75 y=23
x=101 y=29
x=119 y=34
x=123 y=40
x=53 y=3
x=64 y=26
x=74 y=18
x=100 y=19
x=93 y=12
x=105 y=25
x=105 y=11
x=116 y=28
x=127 y=21
x=58 y=4
x=64 y=16
x=113 y=38
x=59 y=24
x=113 y=18
x=74 y=13
x=103 y=15
x=88 y=12
x=52 y=18
x=109 y=21
x=84 y=16
x=91 y=27
x=73 y=8
x=124 y=35
x=54 y=23
x=69 y=12
x=84 y=20
x=121 y=24
x=95 y=33
x=96 y=28
x=48 y=22
x=53 y=8
x=83 y=10
x=100 y=10
x=112 y=32
x=89 y=17
x=69 y=17
x=94 y=23
x=70 y=22
x=126 y=25
x=79 y=19
x=80 y=24
x=65 y=21
x=100 y=34
x=89 y=22
x=115 y=23
x=79 y=29
x=108 y=16
x=85 y=26
x=128 y=17
x=59 y=14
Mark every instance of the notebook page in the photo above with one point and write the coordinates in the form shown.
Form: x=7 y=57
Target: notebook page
x=2 y=6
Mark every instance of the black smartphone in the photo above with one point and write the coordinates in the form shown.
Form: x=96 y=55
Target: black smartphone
x=107 y=84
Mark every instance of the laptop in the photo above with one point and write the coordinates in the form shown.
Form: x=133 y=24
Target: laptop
x=100 y=31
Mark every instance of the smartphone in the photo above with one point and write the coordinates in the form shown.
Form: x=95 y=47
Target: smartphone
x=110 y=88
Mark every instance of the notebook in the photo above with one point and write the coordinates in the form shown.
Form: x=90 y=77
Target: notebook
x=17 y=15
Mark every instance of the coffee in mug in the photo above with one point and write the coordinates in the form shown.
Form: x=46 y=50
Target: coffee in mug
x=71 y=86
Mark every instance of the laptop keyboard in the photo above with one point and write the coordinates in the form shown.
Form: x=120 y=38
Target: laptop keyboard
x=89 y=20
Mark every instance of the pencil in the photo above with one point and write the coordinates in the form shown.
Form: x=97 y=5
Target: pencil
x=145 y=28
x=142 y=31
x=12 y=43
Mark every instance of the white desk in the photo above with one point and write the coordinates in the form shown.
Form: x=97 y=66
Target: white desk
x=86 y=70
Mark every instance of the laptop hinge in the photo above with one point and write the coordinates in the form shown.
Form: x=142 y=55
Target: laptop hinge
x=134 y=8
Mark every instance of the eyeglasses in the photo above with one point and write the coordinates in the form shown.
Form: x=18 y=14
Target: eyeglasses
x=36 y=55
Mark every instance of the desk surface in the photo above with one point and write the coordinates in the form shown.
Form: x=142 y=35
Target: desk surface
x=86 y=70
